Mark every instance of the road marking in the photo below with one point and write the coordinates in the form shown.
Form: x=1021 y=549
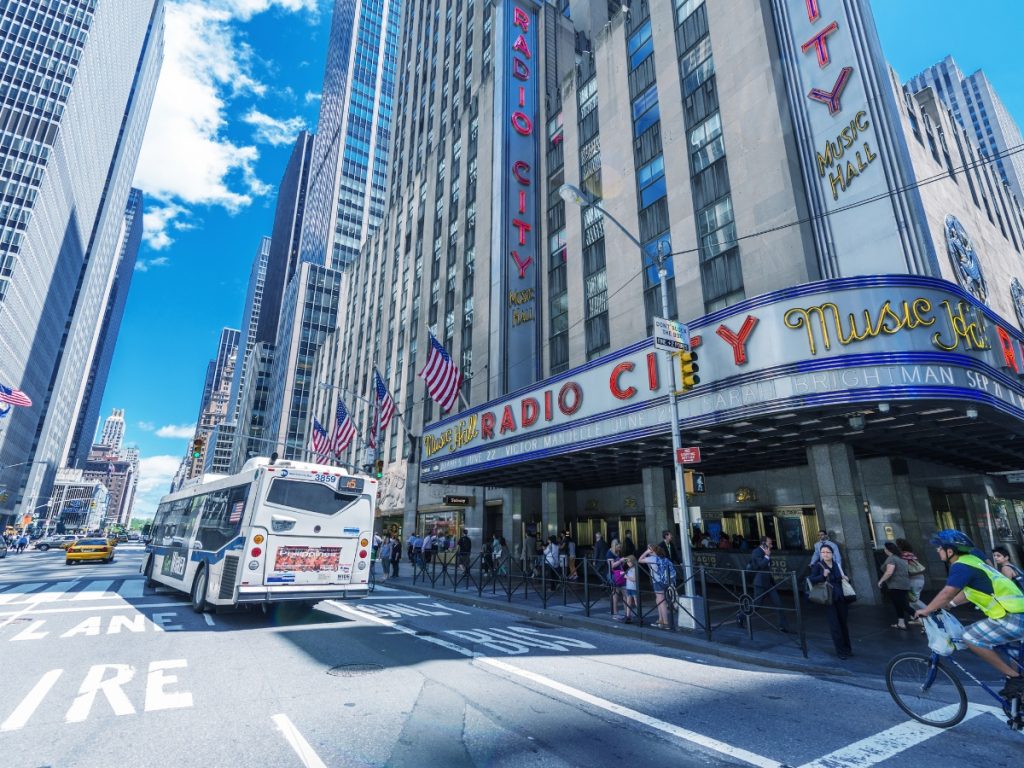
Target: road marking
x=309 y=758
x=95 y=590
x=20 y=590
x=209 y=619
x=132 y=588
x=713 y=745
x=30 y=703
x=891 y=742
x=94 y=682
x=90 y=608
x=52 y=592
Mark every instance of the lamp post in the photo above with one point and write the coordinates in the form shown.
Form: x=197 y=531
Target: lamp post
x=575 y=195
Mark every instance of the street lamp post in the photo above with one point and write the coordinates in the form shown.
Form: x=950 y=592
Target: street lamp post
x=575 y=195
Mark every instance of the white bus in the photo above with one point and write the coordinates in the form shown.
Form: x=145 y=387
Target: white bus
x=281 y=531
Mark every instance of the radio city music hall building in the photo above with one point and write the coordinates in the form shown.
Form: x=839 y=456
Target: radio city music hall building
x=848 y=264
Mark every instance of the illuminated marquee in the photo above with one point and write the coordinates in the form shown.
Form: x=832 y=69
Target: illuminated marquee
x=517 y=170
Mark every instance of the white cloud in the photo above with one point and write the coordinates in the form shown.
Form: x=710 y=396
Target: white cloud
x=177 y=431
x=146 y=426
x=270 y=130
x=155 y=475
x=187 y=159
x=311 y=97
x=145 y=264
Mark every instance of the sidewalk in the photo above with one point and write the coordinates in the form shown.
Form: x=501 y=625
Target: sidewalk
x=874 y=641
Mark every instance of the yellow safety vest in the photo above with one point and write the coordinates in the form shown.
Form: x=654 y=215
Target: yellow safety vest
x=1006 y=597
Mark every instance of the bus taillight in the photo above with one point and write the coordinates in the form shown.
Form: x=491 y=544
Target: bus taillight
x=364 y=542
x=362 y=553
x=256 y=552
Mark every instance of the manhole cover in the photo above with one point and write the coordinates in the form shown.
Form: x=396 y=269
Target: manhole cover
x=351 y=670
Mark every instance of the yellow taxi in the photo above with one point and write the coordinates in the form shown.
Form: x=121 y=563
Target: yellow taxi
x=85 y=550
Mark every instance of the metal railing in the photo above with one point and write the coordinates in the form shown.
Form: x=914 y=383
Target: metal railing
x=718 y=602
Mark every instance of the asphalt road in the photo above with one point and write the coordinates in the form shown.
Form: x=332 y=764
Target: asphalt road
x=100 y=672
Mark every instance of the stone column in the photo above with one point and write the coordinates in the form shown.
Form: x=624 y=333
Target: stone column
x=841 y=509
x=552 y=508
x=657 y=503
x=883 y=499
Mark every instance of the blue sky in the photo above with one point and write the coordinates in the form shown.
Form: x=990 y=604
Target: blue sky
x=240 y=79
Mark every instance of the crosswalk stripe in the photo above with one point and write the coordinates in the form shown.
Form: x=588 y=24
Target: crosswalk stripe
x=53 y=592
x=19 y=591
x=94 y=590
x=131 y=588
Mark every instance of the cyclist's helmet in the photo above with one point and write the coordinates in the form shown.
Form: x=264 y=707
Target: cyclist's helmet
x=953 y=539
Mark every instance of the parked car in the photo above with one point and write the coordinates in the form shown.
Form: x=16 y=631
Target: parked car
x=55 y=542
x=89 y=549
x=134 y=537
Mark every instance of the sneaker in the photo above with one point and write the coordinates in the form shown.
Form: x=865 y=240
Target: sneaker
x=1014 y=687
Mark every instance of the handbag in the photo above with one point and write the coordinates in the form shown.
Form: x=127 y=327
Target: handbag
x=849 y=593
x=619 y=577
x=915 y=567
x=820 y=593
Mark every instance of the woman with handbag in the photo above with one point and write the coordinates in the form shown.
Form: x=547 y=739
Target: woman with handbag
x=828 y=572
x=896 y=578
x=916 y=570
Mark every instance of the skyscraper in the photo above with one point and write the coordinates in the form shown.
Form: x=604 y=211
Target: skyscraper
x=81 y=78
x=978 y=108
x=113 y=431
x=89 y=412
x=347 y=185
x=216 y=397
x=250 y=323
x=289 y=215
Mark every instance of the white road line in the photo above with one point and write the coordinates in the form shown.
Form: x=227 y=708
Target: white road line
x=132 y=588
x=90 y=608
x=209 y=619
x=309 y=758
x=713 y=745
x=20 y=590
x=889 y=743
x=28 y=705
x=95 y=590
x=52 y=592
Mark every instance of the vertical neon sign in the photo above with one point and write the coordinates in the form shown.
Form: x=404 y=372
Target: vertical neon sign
x=520 y=168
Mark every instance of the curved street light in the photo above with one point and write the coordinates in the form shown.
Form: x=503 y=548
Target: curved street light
x=573 y=194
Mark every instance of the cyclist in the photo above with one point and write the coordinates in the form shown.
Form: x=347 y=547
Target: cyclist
x=993 y=594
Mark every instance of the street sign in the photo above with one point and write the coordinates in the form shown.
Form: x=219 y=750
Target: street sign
x=671 y=335
x=689 y=455
x=459 y=501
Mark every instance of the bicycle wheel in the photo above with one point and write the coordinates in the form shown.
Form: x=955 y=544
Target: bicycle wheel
x=928 y=693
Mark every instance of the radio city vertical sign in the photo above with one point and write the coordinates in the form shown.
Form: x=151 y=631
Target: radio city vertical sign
x=518 y=176
x=841 y=101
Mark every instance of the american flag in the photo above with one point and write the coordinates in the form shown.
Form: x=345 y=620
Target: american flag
x=344 y=430
x=13 y=396
x=319 y=442
x=385 y=403
x=441 y=375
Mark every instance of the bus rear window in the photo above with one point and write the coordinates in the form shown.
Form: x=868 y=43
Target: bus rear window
x=309 y=497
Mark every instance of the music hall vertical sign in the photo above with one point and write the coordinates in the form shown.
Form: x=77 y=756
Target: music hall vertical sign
x=518 y=173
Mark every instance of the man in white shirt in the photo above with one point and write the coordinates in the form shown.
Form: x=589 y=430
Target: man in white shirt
x=823 y=539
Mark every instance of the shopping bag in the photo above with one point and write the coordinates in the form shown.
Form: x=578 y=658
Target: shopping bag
x=954 y=628
x=938 y=637
x=849 y=593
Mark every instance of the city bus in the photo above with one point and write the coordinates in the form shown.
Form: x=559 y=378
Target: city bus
x=279 y=531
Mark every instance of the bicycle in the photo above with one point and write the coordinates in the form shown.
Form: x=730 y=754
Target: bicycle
x=924 y=688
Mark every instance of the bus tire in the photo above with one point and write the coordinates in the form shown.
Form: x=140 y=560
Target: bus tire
x=199 y=587
x=148 y=573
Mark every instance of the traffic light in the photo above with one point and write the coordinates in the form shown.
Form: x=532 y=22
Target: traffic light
x=197 y=448
x=688 y=370
x=379 y=468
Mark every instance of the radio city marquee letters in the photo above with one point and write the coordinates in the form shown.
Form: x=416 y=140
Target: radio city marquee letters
x=752 y=360
x=518 y=163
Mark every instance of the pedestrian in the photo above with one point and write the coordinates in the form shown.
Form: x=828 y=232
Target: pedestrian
x=600 y=556
x=764 y=583
x=1003 y=564
x=628 y=546
x=916 y=570
x=551 y=562
x=896 y=579
x=499 y=555
x=823 y=539
x=828 y=570
x=570 y=555
x=662 y=576
x=384 y=555
x=631 y=590
x=22 y=543
x=465 y=549
x=613 y=556
x=617 y=568
x=427 y=547
x=396 y=554
x=668 y=541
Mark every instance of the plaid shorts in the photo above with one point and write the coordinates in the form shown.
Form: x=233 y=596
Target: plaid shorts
x=988 y=633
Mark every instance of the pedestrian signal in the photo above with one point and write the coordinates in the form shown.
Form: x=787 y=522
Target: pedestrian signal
x=379 y=468
x=197 y=448
x=688 y=370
